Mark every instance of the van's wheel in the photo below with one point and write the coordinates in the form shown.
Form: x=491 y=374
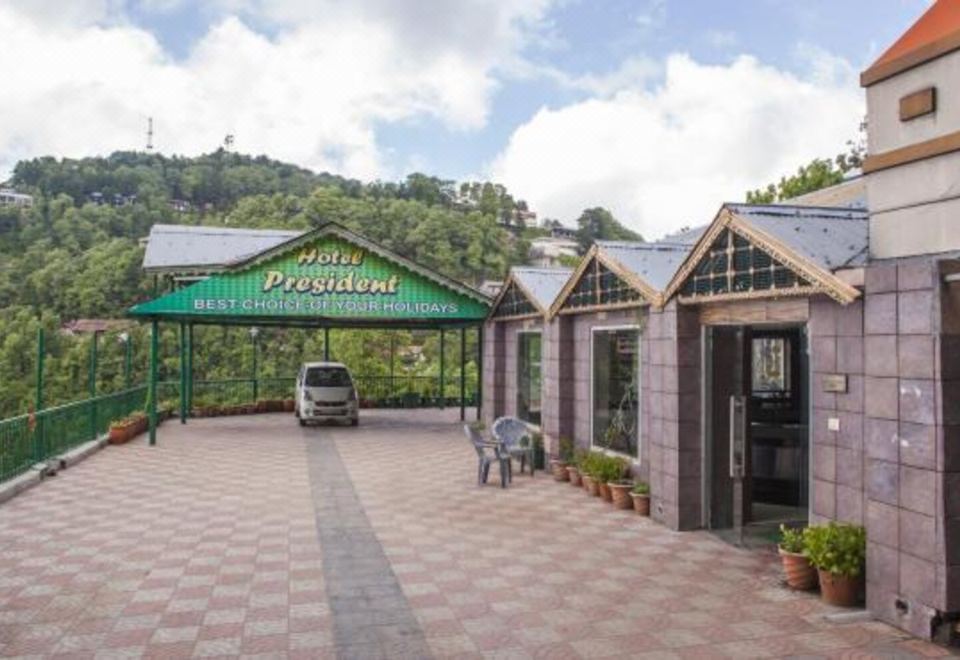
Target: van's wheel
x=355 y=421
x=303 y=422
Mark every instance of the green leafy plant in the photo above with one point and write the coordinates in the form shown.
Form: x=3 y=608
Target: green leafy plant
x=837 y=548
x=791 y=539
x=641 y=488
x=566 y=450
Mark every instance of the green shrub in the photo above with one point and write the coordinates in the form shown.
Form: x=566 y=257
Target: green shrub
x=641 y=488
x=566 y=450
x=791 y=538
x=837 y=548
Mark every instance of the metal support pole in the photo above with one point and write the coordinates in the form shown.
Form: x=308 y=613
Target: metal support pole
x=92 y=384
x=189 y=367
x=326 y=344
x=443 y=384
x=393 y=352
x=256 y=383
x=183 y=372
x=463 y=374
x=479 y=370
x=41 y=356
x=152 y=387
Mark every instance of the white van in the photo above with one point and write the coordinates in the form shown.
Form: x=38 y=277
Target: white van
x=325 y=391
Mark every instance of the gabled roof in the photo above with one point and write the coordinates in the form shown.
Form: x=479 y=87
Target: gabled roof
x=813 y=242
x=542 y=284
x=936 y=33
x=323 y=276
x=193 y=249
x=539 y=286
x=646 y=267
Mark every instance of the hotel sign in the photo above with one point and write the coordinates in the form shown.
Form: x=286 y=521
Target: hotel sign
x=326 y=277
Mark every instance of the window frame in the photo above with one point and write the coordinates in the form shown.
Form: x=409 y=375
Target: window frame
x=635 y=460
x=520 y=333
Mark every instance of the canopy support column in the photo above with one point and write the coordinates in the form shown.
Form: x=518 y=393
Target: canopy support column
x=479 y=371
x=183 y=372
x=443 y=383
x=326 y=344
x=152 y=387
x=127 y=360
x=189 y=368
x=393 y=353
x=38 y=429
x=463 y=374
x=254 y=332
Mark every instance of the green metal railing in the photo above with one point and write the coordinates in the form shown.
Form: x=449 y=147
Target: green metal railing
x=30 y=439
x=26 y=440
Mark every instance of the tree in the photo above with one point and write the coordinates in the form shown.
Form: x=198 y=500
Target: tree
x=817 y=174
x=598 y=224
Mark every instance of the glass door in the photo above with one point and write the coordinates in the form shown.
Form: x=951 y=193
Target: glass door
x=529 y=377
x=616 y=371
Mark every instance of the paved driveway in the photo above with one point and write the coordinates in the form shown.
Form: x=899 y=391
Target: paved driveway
x=249 y=536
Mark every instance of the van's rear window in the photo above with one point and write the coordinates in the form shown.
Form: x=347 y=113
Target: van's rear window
x=327 y=377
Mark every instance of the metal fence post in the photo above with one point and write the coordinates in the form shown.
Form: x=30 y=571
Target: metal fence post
x=393 y=352
x=39 y=419
x=326 y=344
x=93 y=384
x=152 y=388
x=127 y=340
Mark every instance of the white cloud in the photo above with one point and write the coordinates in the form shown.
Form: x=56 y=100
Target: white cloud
x=666 y=157
x=313 y=92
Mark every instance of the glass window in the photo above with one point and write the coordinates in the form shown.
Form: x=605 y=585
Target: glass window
x=529 y=366
x=616 y=390
x=771 y=366
x=327 y=377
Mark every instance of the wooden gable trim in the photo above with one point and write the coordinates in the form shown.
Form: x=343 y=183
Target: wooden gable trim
x=824 y=281
x=513 y=281
x=648 y=294
x=572 y=282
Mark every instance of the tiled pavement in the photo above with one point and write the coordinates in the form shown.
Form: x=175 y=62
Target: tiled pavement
x=242 y=536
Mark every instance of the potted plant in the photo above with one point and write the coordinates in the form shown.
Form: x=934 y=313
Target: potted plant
x=588 y=470
x=838 y=551
x=573 y=470
x=796 y=566
x=289 y=405
x=612 y=469
x=121 y=431
x=620 y=486
x=558 y=466
x=640 y=494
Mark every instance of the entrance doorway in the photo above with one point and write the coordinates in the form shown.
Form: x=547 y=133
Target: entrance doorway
x=756 y=430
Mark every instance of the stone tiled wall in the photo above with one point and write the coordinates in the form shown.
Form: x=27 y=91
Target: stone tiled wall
x=493 y=372
x=671 y=417
x=558 y=403
x=501 y=345
x=907 y=428
x=835 y=334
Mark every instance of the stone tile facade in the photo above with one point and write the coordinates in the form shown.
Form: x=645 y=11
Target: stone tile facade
x=501 y=342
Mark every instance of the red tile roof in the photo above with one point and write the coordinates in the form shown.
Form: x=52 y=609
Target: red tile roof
x=936 y=33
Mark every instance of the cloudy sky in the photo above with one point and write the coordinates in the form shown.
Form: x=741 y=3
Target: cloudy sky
x=656 y=109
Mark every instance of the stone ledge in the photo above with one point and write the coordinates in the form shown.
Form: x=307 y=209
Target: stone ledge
x=39 y=471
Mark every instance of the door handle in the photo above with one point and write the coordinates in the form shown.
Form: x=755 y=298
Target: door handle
x=738 y=436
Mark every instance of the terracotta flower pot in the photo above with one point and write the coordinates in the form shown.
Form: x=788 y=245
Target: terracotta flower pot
x=559 y=470
x=119 y=434
x=573 y=474
x=605 y=493
x=620 y=495
x=839 y=589
x=288 y=405
x=591 y=485
x=641 y=503
x=798 y=571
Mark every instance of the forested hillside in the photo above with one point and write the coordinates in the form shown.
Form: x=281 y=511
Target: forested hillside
x=75 y=254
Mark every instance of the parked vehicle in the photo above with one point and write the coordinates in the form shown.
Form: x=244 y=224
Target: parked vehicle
x=325 y=391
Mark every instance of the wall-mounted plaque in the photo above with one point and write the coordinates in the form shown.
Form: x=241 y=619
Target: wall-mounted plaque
x=835 y=383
